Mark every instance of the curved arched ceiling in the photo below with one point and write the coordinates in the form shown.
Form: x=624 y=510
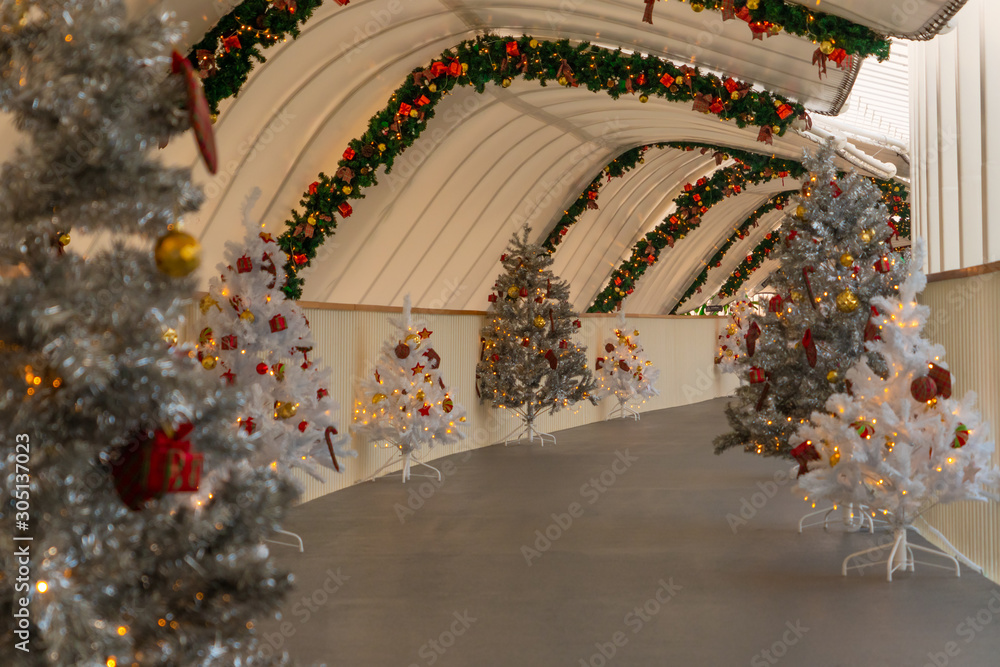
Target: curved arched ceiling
x=487 y=163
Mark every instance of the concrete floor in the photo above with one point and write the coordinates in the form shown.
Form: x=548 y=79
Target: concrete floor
x=645 y=569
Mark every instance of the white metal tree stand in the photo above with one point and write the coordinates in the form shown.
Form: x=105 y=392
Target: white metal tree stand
x=302 y=547
x=900 y=556
x=854 y=518
x=622 y=411
x=527 y=425
x=406 y=454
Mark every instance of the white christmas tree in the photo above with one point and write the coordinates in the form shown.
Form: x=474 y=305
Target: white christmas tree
x=899 y=445
x=529 y=362
x=625 y=371
x=258 y=341
x=404 y=399
x=733 y=341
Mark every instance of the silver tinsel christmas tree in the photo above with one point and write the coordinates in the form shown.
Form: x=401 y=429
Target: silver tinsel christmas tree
x=529 y=362
x=834 y=260
x=110 y=554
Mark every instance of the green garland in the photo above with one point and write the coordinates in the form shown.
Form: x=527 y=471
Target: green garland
x=894 y=195
x=691 y=204
x=497 y=60
x=776 y=202
x=256 y=24
x=617 y=168
x=773 y=16
x=749 y=265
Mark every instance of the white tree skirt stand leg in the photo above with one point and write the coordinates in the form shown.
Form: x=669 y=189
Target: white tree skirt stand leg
x=527 y=429
x=409 y=460
x=854 y=518
x=900 y=557
x=622 y=411
x=302 y=547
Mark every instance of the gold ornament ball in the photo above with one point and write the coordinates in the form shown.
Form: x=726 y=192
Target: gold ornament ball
x=347 y=189
x=214 y=117
x=698 y=6
x=539 y=322
x=734 y=96
x=800 y=211
x=729 y=353
x=827 y=47
x=378 y=398
x=170 y=337
x=798 y=296
x=414 y=113
x=208 y=363
x=563 y=81
x=644 y=98
x=847 y=259
x=421 y=395
x=834 y=458
x=505 y=83
x=832 y=376
x=775 y=129
x=847 y=301
x=177 y=254
x=512 y=291
x=381 y=147
x=866 y=236
x=465 y=68
x=248 y=316
x=753 y=4
x=64 y=240
x=432 y=87
x=533 y=43
x=731 y=329
x=285 y=410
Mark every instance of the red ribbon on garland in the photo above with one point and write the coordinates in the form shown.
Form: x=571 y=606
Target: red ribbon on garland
x=647 y=15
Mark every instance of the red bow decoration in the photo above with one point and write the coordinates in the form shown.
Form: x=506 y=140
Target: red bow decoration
x=206 y=63
x=330 y=432
x=805 y=453
x=766 y=135
x=345 y=174
x=567 y=72
x=809 y=288
x=810 y=347
x=512 y=49
x=647 y=15
x=703 y=103
x=752 y=335
x=819 y=59
x=839 y=56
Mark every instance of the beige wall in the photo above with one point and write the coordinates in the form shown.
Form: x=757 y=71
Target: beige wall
x=348 y=341
x=965 y=318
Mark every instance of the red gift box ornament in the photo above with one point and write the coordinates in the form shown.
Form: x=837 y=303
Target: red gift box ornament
x=883 y=265
x=313 y=187
x=153 y=466
x=667 y=80
x=300 y=258
x=757 y=375
x=523 y=292
x=244 y=265
x=492 y=298
x=345 y=209
x=231 y=42
x=525 y=342
x=512 y=49
x=229 y=342
x=404 y=109
x=278 y=323
x=942 y=378
x=775 y=305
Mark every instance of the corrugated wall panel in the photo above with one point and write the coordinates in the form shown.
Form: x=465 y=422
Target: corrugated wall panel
x=348 y=342
x=965 y=319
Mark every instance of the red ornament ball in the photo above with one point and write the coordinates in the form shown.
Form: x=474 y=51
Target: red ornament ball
x=402 y=351
x=302 y=426
x=262 y=368
x=923 y=389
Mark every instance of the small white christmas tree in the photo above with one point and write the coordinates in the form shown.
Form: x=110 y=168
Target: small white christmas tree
x=902 y=444
x=404 y=400
x=733 y=341
x=258 y=341
x=625 y=371
x=529 y=362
